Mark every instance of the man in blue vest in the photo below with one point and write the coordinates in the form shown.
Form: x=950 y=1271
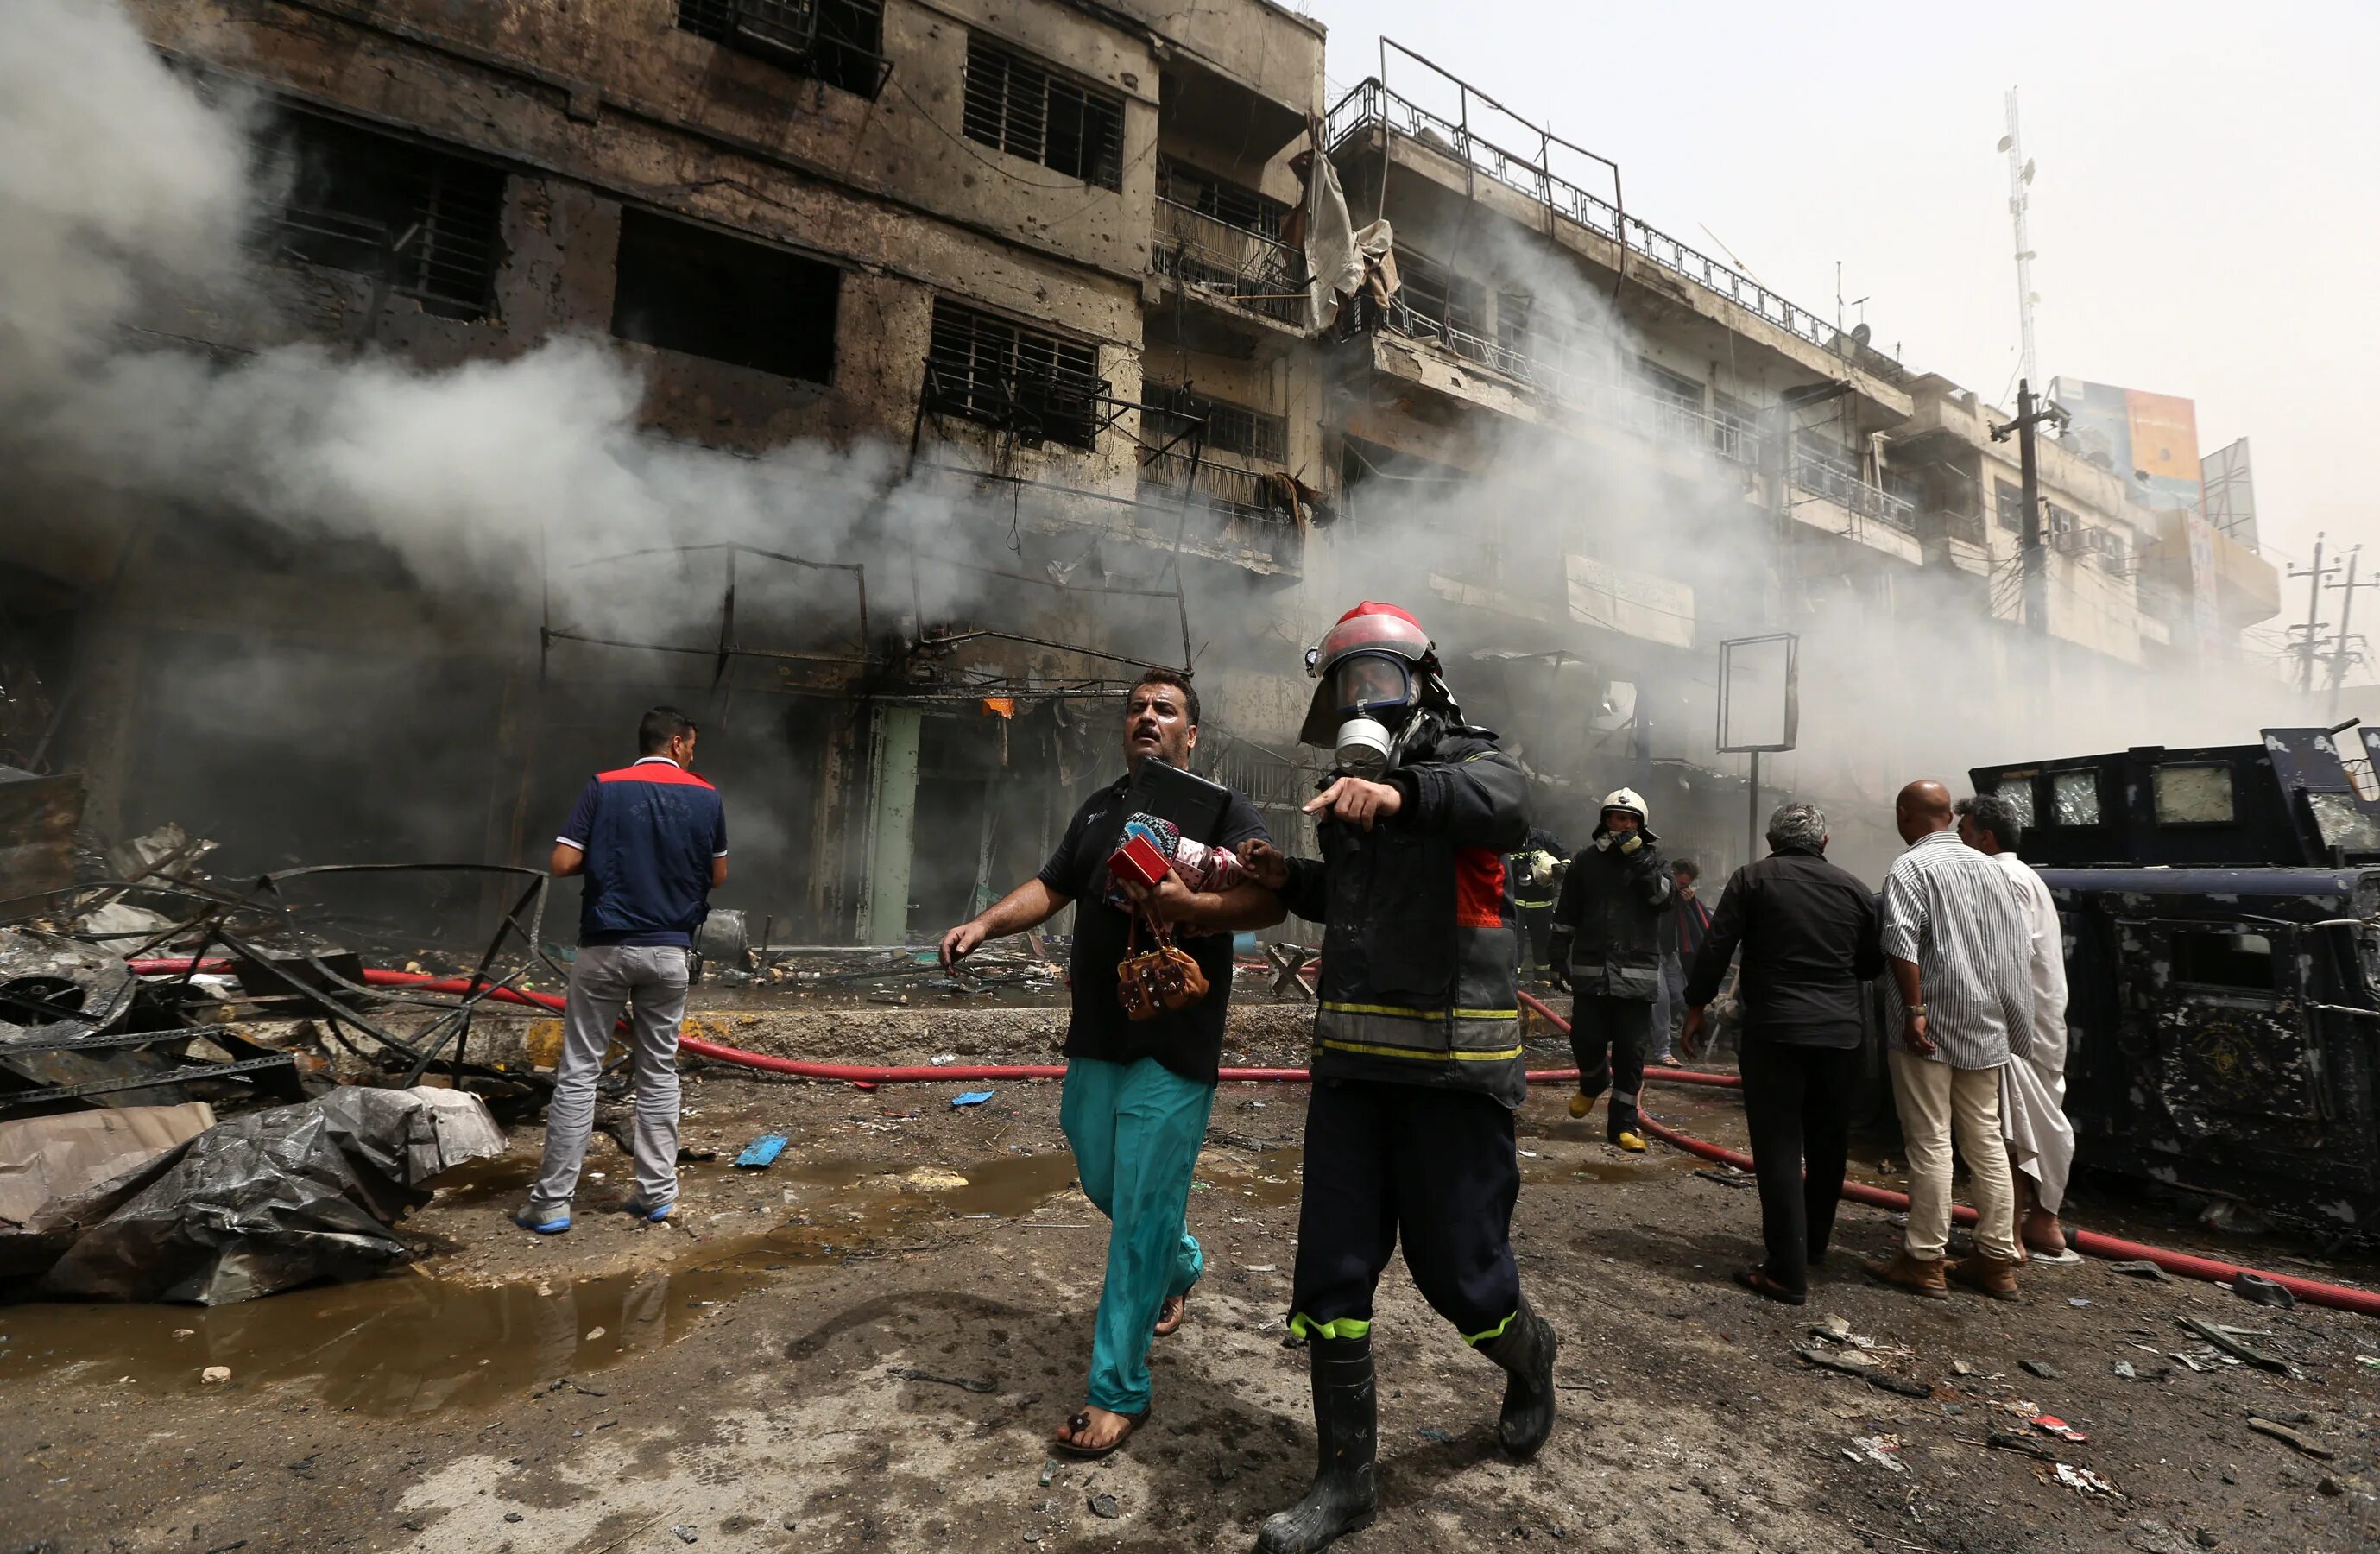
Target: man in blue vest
x=651 y=842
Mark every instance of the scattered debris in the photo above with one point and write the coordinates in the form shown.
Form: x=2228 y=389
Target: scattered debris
x=2024 y=1446
x=2041 y=1369
x=2050 y=1423
x=762 y=1152
x=1105 y=1507
x=2124 y=1370
x=216 y=1373
x=2143 y=1270
x=2230 y=1340
x=1049 y=1472
x=2078 y=1302
x=2084 y=1481
x=1879 y=1449
x=1961 y=1368
x=280 y=1198
x=2281 y=1432
x=1431 y=1432
x=970 y=1097
x=594 y=1333
x=2256 y=1287
x=1857 y=1361
x=964 y=1383
x=1725 y=1179
x=683 y=1533
x=943 y=1060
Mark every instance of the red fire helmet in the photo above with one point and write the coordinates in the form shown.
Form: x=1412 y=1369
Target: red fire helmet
x=1370 y=629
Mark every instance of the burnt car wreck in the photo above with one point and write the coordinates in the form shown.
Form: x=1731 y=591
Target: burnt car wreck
x=2220 y=906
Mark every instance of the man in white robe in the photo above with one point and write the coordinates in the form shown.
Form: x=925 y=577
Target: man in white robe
x=2033 y=1086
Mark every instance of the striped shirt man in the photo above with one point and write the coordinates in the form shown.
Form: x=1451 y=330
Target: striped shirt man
x=1949 y=909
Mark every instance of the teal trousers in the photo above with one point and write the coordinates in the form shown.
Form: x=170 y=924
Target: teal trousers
x=1136 y=1129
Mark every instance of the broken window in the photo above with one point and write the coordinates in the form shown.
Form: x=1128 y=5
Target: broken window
x=1669 y=387
x=1230 y=429
x=2211 y=958
x=687 y=288
x=1226 y=201
x=2075 y=798
x=986 y=369
x=838 y=41
x=1015 y=104
x=2194 y=795
x=2008 y=506
x=427 y=223
x=2344 y=823
x=2017 y=795
x=1735 y=428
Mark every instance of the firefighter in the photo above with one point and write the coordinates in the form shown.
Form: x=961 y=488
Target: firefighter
x=1416 y=1059
x=1537 y=871
x=1607 y=942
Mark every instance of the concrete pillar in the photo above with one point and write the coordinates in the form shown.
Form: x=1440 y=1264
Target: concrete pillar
x=891 y=824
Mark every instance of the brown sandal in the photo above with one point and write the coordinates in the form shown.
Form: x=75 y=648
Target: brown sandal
x=1756 y=1280
x=1082 y=1421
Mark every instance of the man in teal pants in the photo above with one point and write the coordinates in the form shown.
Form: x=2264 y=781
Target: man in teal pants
x=1137 y=1091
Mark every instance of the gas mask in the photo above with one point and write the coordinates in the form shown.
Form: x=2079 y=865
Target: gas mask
x=1373 y=696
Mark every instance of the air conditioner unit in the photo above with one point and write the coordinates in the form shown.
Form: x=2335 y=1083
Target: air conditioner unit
x=787 y=28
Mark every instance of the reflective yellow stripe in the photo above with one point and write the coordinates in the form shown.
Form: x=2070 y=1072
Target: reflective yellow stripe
x=1397 y=1012
x=1501 y=1055
x=1497 y=1331
x=1338 y=1327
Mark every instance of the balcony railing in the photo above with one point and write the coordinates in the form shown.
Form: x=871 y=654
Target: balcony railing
x=1371 y=104
x=1247 y=269
x=1842 y=486
x=1226 y=500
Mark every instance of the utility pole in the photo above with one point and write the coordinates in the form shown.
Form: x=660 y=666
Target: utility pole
x=2343 y=652
x=2313 y=624
x=2030 y=413
x=2020 y=179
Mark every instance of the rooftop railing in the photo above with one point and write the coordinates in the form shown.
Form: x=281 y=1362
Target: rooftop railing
x=1371 y=104
x=1263 y=275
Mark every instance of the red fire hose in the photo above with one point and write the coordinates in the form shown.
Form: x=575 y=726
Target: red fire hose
x=865 y=1073
x=2312 y=1290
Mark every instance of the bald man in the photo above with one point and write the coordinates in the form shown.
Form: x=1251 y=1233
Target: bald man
x=1959 y=991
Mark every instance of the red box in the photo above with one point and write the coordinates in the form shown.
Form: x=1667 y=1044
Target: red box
x=1138 y=860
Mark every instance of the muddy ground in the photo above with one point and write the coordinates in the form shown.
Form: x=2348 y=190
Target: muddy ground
x=866 y=1346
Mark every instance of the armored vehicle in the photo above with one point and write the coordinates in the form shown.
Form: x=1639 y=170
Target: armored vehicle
x=2220 y=908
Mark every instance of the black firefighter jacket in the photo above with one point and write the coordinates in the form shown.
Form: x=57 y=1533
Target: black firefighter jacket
x=1614 y=907
x=1418 y=945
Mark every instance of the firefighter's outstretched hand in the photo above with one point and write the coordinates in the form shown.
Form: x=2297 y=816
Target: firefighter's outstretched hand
x=1357 y=802
x=1265 y=863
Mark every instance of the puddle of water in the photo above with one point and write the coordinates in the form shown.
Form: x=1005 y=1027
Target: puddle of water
x=1270 y=1179
x=411 y=1344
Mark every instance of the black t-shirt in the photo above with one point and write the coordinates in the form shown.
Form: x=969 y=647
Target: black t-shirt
x=1188 y=1041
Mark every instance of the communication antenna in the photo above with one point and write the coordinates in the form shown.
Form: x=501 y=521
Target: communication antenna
x=2020 y=179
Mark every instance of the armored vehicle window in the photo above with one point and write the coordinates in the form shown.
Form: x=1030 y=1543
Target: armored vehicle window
x=2194 y=795
x=2214 y=959
x=2018 y=797
x=2075 y=798
x=2343 y=823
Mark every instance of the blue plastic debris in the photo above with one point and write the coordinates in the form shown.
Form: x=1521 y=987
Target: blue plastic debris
x=972 y=1097
x=762 y=1152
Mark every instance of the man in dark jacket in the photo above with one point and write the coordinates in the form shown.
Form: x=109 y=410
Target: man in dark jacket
x=1608 y=938
x=1416 y=1057
x=1808 y=932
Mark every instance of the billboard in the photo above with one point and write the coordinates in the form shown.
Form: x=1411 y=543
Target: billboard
x=2147 y=441
x=2231 y=492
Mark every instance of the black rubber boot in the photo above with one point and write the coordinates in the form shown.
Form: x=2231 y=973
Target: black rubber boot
x=1527 y=1350
x=1346 y=1428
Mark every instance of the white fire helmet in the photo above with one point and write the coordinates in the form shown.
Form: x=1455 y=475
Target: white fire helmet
x=1372 y=667
x=1626 y=798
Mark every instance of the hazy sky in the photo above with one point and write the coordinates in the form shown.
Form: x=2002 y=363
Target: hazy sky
x=2205 y=208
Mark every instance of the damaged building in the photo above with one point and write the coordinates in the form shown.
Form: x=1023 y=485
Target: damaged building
x=1032 y=291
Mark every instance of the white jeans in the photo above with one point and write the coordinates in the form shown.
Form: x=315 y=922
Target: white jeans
x=1937 y=1101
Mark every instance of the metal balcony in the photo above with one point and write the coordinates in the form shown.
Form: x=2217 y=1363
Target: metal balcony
x=1230 y=264
x=1842 y=485
x=1370 y=104
x=1226 y=503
